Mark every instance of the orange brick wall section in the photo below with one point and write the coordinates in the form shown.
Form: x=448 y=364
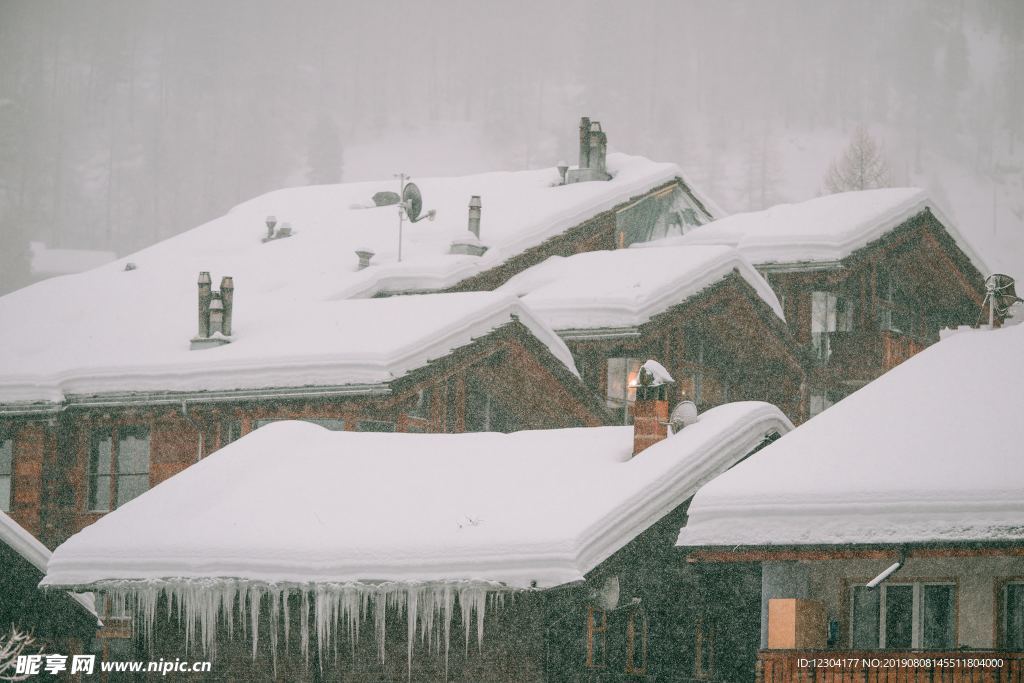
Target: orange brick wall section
x=650 y=424
x=30 y=443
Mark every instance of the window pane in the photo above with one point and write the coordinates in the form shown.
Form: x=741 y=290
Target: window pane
x=230 y=430
x=899 y=617
x=865 y=617
x=1014 y=611
x=99 y=470
x=256 y=424
x=5 y=493
x=376 y=426
x=617 y=379
x=133 y=451
x=937 y=617
x=130 y=486
x=6 y=455
x=333 y=424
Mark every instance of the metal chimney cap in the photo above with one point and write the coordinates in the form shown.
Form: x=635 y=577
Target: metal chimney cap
x=227 y=282
x=563 y=166
x=271 y=221
x=204 y=277
x=474 y=202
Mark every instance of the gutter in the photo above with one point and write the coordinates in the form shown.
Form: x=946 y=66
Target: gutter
x=599 y=333
x=127 y=399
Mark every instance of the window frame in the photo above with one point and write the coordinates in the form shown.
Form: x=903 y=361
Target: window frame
x=622 y=403
x=635 y=615
x=117 y=433
x=917 y=613
x=1003 y=615
x=596 y=633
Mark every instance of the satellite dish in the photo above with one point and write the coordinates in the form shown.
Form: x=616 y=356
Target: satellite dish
x=413 y=201
x=1000 y=295
x=607 y=597
x=683 y=415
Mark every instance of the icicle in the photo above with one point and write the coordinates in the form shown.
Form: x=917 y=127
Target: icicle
x=254 y=613
x=287 y=622
x=410 y=610
x=304 y=628
x=275 y=615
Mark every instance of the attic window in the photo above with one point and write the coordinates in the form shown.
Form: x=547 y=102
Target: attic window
x=620 y=394
x=597 y=638
x=636 y=642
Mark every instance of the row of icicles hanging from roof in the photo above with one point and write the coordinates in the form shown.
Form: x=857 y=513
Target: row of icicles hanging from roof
x=206 y=608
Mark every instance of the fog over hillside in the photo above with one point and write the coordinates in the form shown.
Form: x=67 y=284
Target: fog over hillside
x=125 y=122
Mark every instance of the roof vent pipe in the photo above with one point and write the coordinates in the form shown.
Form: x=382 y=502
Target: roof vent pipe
x=474 y=215
x=364 y=257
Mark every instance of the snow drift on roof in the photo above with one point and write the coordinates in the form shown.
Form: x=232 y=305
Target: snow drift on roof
x=296 y=503
x=930 y=451
x=625 y=287
x=279 y=342
x=825 y=229
x=137 y=323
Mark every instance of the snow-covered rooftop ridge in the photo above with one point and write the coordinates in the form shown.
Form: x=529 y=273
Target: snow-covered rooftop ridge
x=277 y=343
x=824 y=229
x=15 y=537
x=47 y=261
x=929 y=452
x=513 y=509
x=626 y=287
x=111 y=324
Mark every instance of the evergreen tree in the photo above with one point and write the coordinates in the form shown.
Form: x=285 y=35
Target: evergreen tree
x=861 y=167
x=324 y=158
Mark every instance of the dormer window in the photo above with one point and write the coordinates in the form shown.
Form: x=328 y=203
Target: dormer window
x=621 y=390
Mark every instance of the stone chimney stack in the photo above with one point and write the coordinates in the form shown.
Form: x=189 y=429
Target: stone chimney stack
x=215 y=309
x=474 y=215
x=650 y=410
x=227 y=296
x=593 y=153
x=205 y=297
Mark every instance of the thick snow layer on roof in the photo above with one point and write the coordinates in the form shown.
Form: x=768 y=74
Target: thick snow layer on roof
x=279 y=341
x=825 y=229
x=47 y=262
x=15 y=537
x=625 y=287
x=116 y=327
x=296 y=503
x=930 y=451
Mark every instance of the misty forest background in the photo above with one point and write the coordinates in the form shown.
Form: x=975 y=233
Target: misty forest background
x=125 y=122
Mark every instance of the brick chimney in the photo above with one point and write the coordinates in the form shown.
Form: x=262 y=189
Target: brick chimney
x=593 y=153
x=650 y=409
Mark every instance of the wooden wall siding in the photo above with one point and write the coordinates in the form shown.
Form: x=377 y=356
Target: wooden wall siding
x=524 y=380
x=594 y=234
x=747 y=348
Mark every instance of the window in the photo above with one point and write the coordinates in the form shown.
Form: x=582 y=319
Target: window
x=903 y=616
x=331 y=423
x=597 y=638
x=421 y=404
x=376 y=426
x=6 y=472
x=117 y=474
x=636 y=642
x=1013 y=616
x=820 y=400
x=622 y=374
x=230 y=430
x=704 y=648
x=829 y=313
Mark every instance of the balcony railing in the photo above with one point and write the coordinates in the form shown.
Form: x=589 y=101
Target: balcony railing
x=890 y=666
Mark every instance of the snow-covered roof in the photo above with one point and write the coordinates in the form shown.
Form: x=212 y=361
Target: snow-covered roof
x=15 y=537
x=930 y=451
x=118 y=329
x=626 y=287
x=278 y=342
x=293 y=502
x=826 y=229
x=47 y=261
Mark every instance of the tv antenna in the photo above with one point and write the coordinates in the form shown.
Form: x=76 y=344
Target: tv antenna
x=409 y=207
x=1000 y=295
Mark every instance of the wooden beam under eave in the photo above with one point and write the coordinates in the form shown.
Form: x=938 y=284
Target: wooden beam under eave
x=820 y=553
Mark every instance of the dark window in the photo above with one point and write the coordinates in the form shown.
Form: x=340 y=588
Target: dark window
x=1013 y=616
x=421 y=404
x=117 y=474
x=376 y=426
x=230 y=430
x=904 y=616
x=6 y=472
x=597 y=638
x=334 y=424
x=636 y=642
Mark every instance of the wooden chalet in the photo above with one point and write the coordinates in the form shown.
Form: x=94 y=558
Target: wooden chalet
x=702 y=311
x=531 y=556
x=888 y=531
x=866 y=279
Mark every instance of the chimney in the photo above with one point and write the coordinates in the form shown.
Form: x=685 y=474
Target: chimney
x=364 y=254
x=227 y=296
x=214 y=312
x=650 y=410
x=584 y=142
x=205 y=296
x=593 y=153
x=474 y=215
